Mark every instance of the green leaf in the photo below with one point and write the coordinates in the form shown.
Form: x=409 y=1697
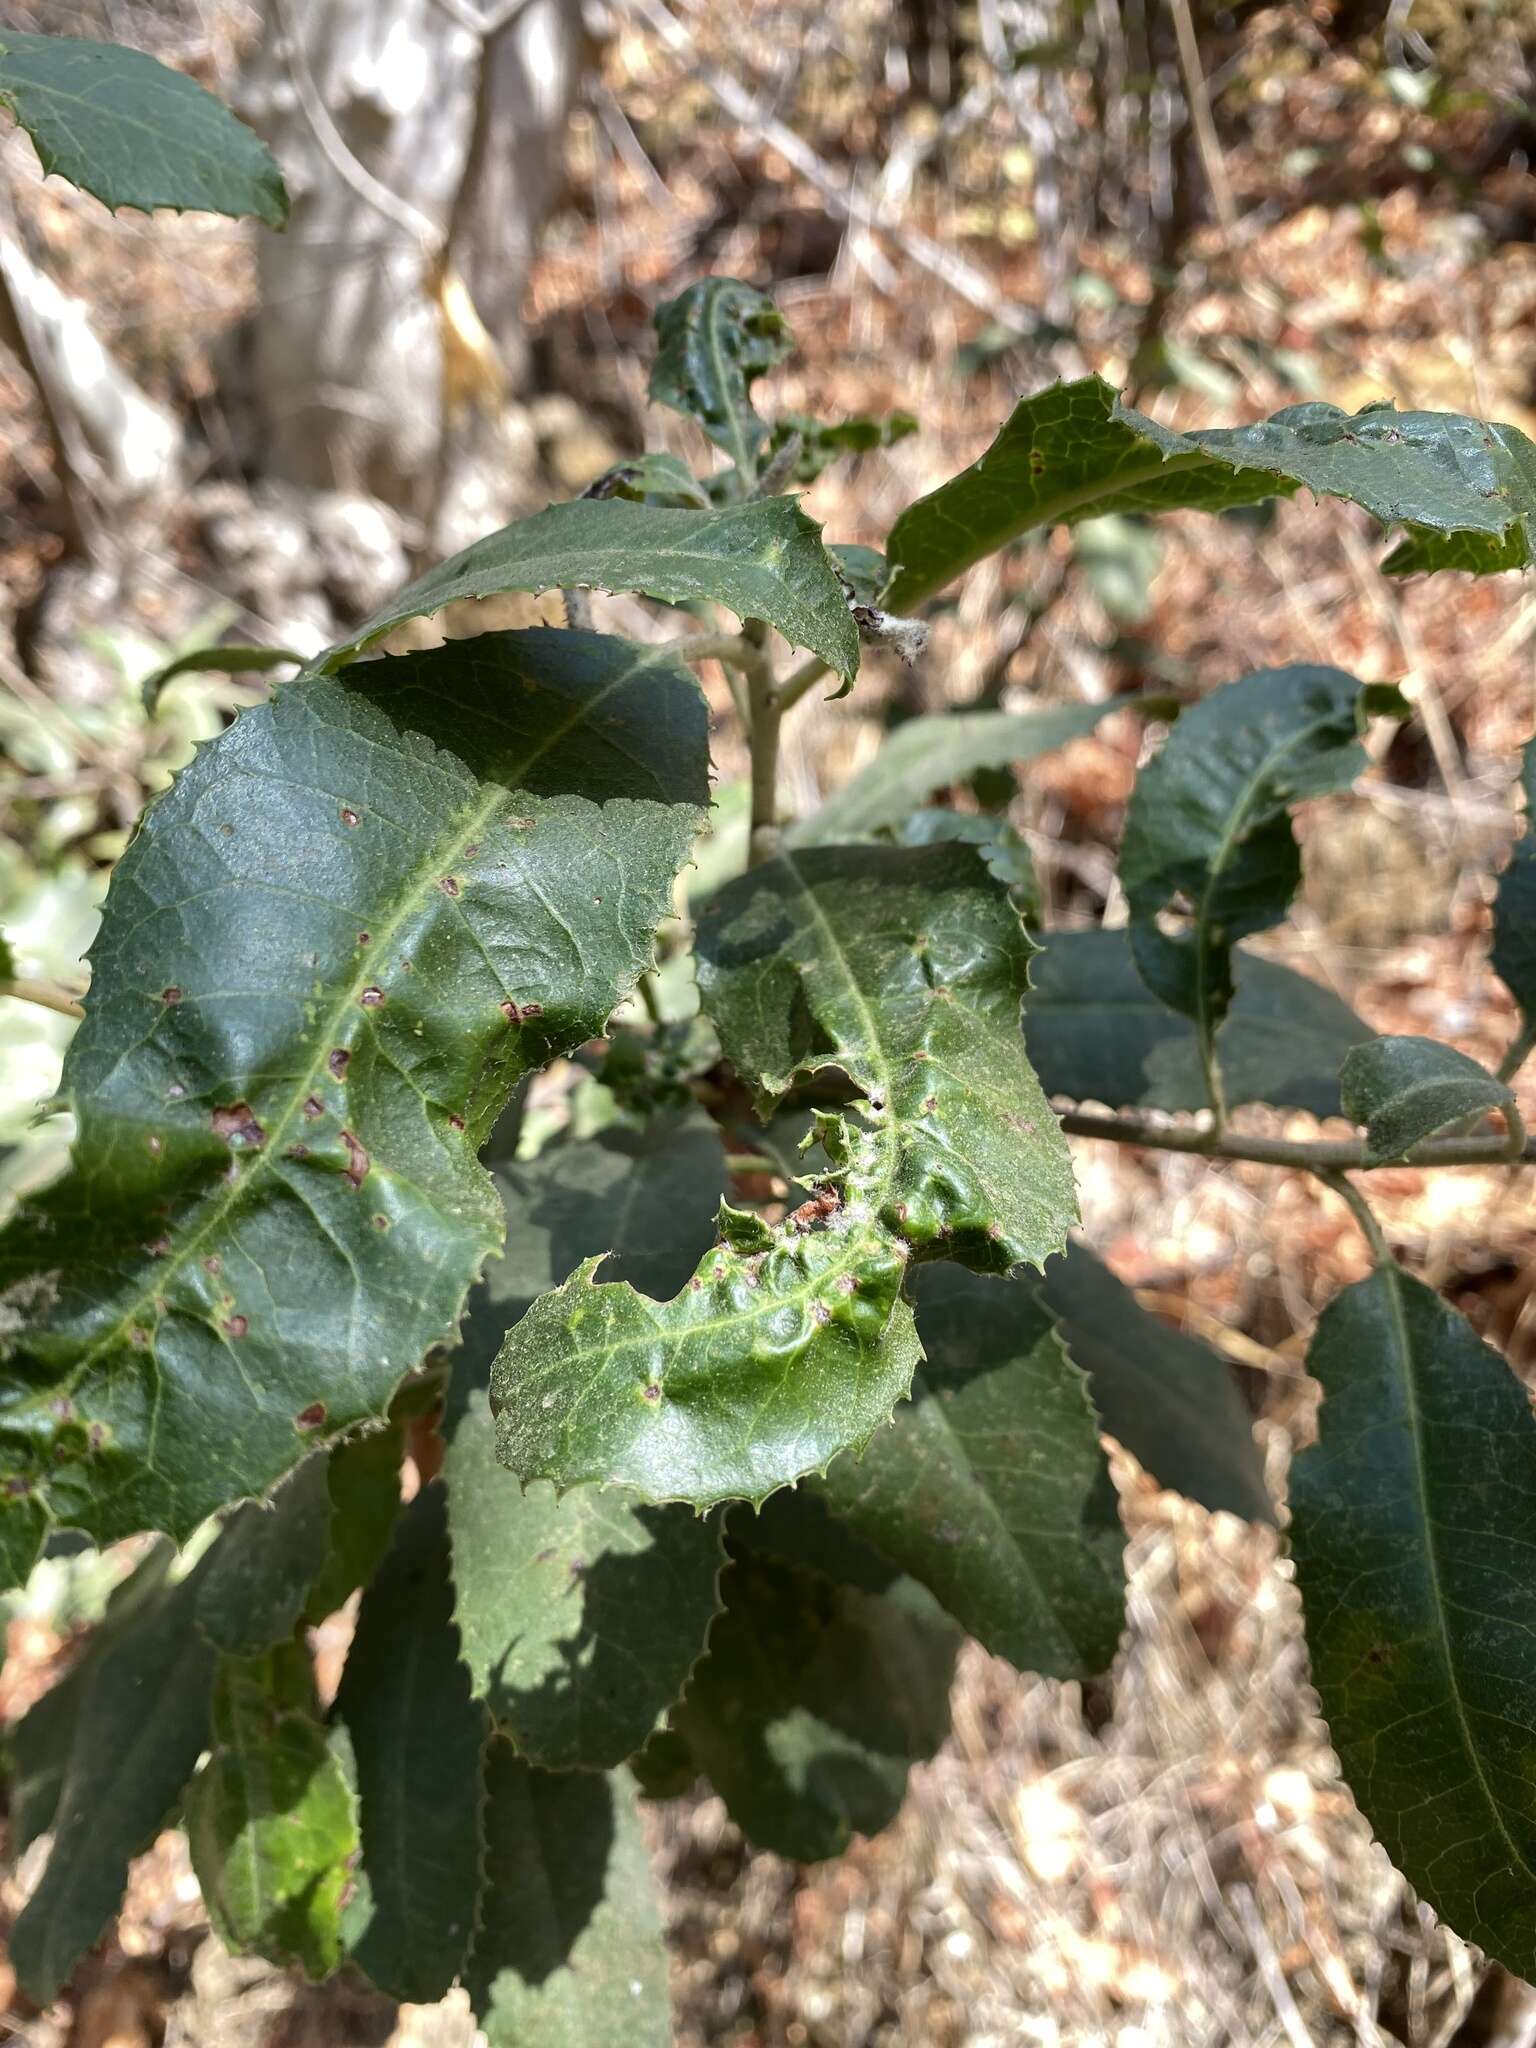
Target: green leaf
x=416 y=1738
x=863 y=569
x=990 y=1488
x=232 y=661
x=132 y=131
x=904 y=971
x=1514 y=906
x=1209 y=824
x=1004 y=849
x=137 y=1713
x=568 y=1946
x=256 y=1582
x=581 y=1614
x=1171 y=1401
x=1095 y=1034
x=363 y=1480
x=931 y=753
x=327 y=958
x=653 y=479
x=1074 y=452
x=1404 y=1090
x=270 y=1819
x=1414 y=1522
x=814 y=1701
x=763 y=560
x=713 y=341
x=823 y=441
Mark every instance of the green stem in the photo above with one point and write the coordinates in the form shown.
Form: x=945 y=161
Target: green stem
x=799 y=681
x=1519 y=1052
x=1514 y=1124
x=1322 y=1155
x=764 y=714
x=1363 y=1213
x=1210 y=1069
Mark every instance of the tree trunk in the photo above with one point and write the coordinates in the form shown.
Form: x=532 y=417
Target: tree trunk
x=343 y=361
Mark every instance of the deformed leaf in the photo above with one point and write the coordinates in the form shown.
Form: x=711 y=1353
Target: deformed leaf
x=823 y=441
x=568 y=1947
x=1463 y=489
x=328 y=956
x=133 y=132
x=814 y=1701
x=653 y=479
x=1209 y=826
x=1172 y=1401
x=930 y=753
x=713 y=341
x=137 y=1719
x=270 y=1819
x=1514 y=906
x=1095 y=1033
x=1404 y=1090
x=580 y=1614
x=990 y=1488
x=764 y=560
x=1414 y=1521
x=416 y=1736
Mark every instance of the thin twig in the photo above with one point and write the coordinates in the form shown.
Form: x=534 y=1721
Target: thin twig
x=1363 y=1214
x=1518 y=1053
x=45 y=994
x=1320 y=1155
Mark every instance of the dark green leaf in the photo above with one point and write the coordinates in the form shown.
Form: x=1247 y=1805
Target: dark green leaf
x=256 y=1582
x=931 y=753
x=568 y=1948
x=336 y=944
x=654 y=479
x=1171 y=1401
x=1514 y=907
x=1209 y=825
x=271 y=1822
x=232 y=661
x=713 y=341
x=581 y=1614
x=1414 y=1523
x=132 y=131
x=1074 y=452
x=990 y=1488
x=416 y=1737
x=137 y=1713
x=814 y=1701
x=764 y=560
x=823 y=441
x=1095 y=1034
x=363 y=1479
x=1404 y=1090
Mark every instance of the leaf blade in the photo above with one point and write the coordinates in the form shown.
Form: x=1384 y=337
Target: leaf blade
x=713 y=341
x=1405 y=1089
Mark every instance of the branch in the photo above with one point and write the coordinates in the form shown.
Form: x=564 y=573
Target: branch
x=44 y=994
x=1321 y=1155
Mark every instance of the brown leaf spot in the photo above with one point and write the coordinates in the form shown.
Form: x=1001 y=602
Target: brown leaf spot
x=339 y=1061
x=1037 y=462
x=235 y=1326
x=348 y=815
x=171 y=994
x=298 y=1151
x=449 y=885
x=158 y=1247
x=365 y=938
x=236 y=1123
x=380 y=1222
x=650 y=1392
x=455 y=1123
x=372 y=999
x=357 y=1158
x=313 y=1106
x=138 y=1337
x=470 y=852
x=310 y=1417
x=213 y=1264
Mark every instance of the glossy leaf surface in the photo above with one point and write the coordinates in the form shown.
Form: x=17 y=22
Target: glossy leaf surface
x=134 y=132
x=355 y=921
x=1414 y=1524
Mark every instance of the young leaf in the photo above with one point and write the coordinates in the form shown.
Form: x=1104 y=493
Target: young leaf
x=1171 y=1401
x=1095 y=1033
x=991 y=1488
x=713 y=341
x=133 y=132
x=328 y=956
x=904 y=969
x=1404 y=1090
x=271 y=1822
x=823 y=441
x=1514 y=907
x=568 y=1945
x=580 y=1614
x=930 y=753
x=416 y=1739
x=1209 y=822
x=137 y=1715
x=1465 y=490
x=653 y=479
x=1414 y=1522
x=764 y=560
x=230 y=661
x=814 y=1701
